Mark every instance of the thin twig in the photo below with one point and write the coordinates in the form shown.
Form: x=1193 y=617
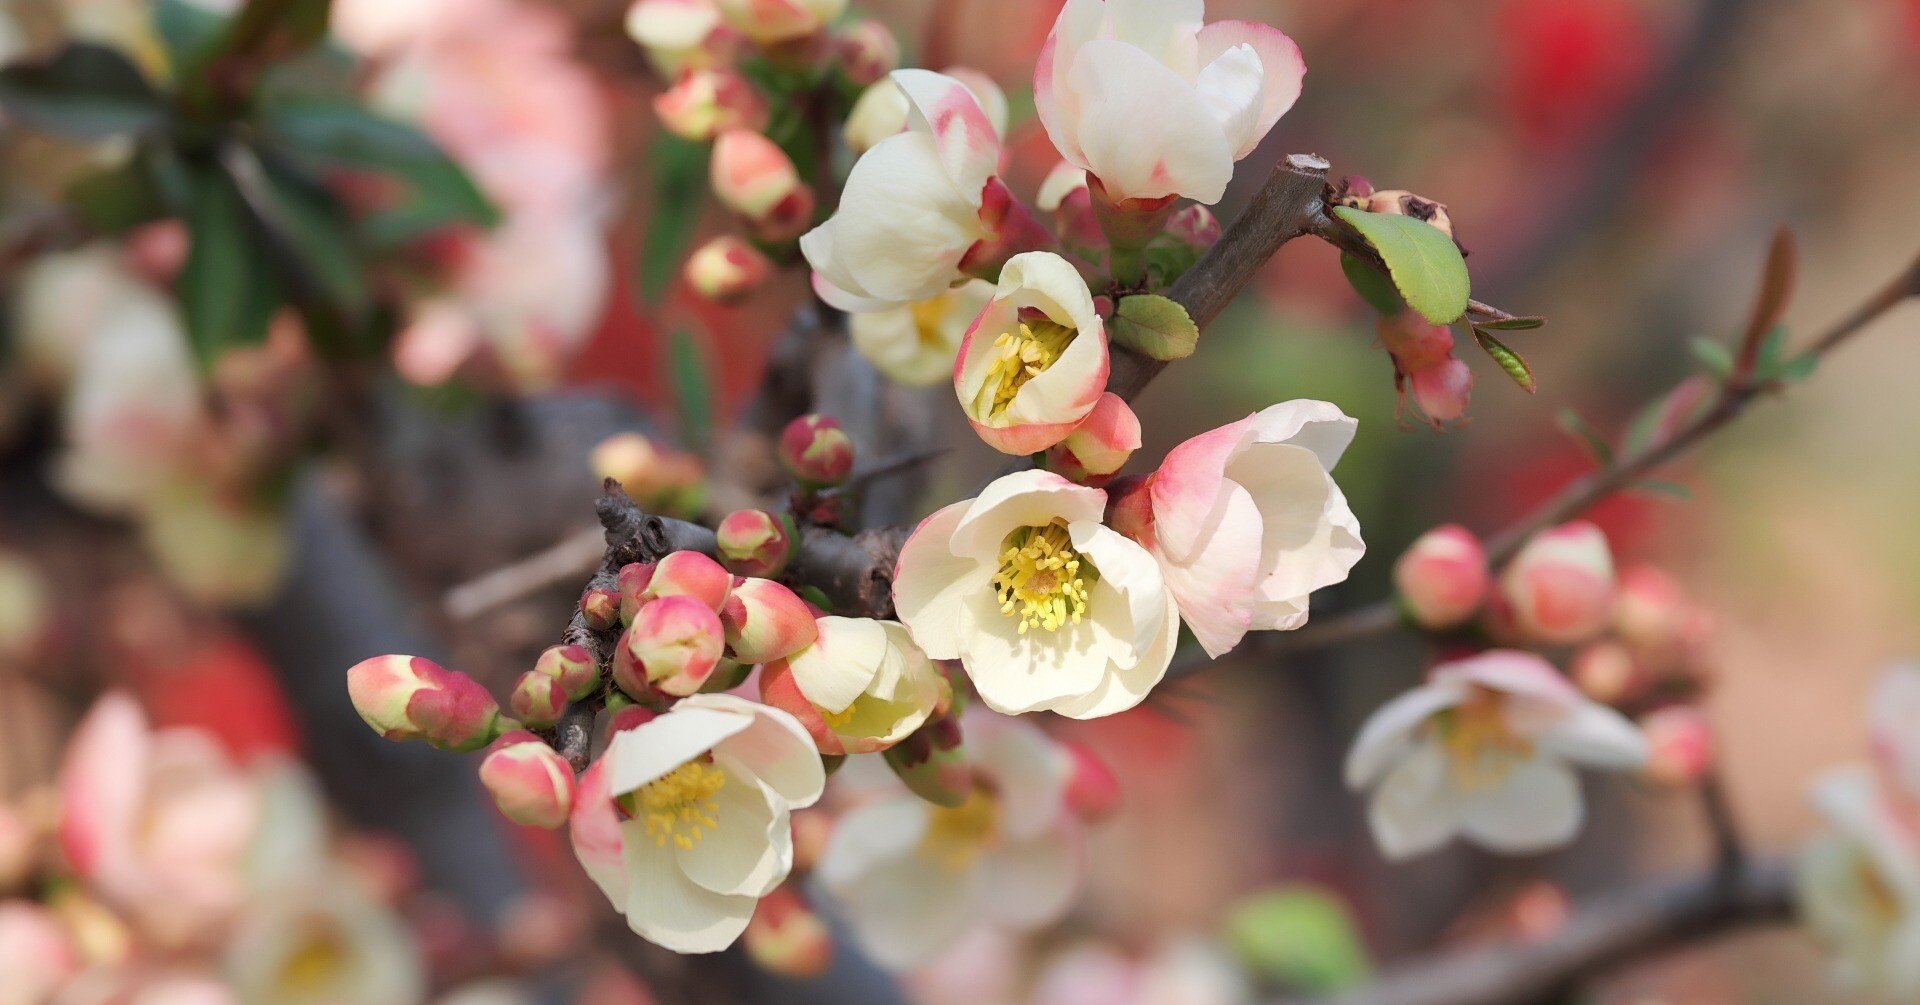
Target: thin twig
x=574 y=554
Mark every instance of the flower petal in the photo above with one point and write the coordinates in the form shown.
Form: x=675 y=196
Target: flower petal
x=1388 y=733
x=750 y=851
x=1143 y=129
x=1030 y=498
x=902 y=226
x=1016 y=673
x=1230 y=87
x=1598 y=736
x=774 y=748
x=672 y=911
x=1282 y=70
x=1216 y=584
x=1028 y=772
x=593 y=829
x=646 y=752
x=869 y=835
x=1028 y=884
x=949 y=111
x=840 y=665
x=931 y=583
x=1415 y=809
x=1538 y=808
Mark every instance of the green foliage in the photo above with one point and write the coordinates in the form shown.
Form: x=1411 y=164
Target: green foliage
x=679 y=187
x=1300 y=938
x=85 y=92
x=1510 y=361
x=1715 y=357
x=1154 y=326
x=1377 y=290
x=227 y=289
x=692 y=389
x=191 y=34
x=1425 y=264
x=1589 y=438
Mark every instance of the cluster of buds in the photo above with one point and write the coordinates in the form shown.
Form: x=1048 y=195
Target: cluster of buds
x=1654 y=663
x=662 y=481
x=1425 y=367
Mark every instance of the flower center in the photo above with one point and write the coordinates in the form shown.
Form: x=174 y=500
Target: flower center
x=929 y=317
x=1479 y=743
x=1879 y=901
x=315 y=965
x=679 y=805
x=1042 y=581
x=1019 y=357
x=957 y=835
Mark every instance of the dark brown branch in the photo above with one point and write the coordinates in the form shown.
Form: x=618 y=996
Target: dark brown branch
x=1627 y=925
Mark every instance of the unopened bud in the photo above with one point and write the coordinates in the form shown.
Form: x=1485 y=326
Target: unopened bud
x=786 y=937
x=670 y=29
x=933 y=762
x=764 y=621
x=1415 y=343
x=691 y=574
x=538 y=700
x=601 y=608
x=1195 y=226
x=1650 y=612
x=1679 y=745
x=704 y=102
x=772 y=22
x=1442 y=579
x=1561 y=584
x=816 y=451
x=867 y=51
x=1608 y=673
x=1093 y=792
x=726 y=269
x=752 y=176
x=1397 y=202
x=755 y=543
x=631 y=583
x=675 y=643
x=409 y=698
x=1099 y=447
x=573 y=667
x=530 y=782
x=1444 y=391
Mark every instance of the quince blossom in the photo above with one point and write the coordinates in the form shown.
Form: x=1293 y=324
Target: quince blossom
x=1484 y=751
x=914 y=877
x=1246 y=521
x=1152 y=103
x=916 y=345
x=1859 y=886
x=1044 y=606
x=708 y=788
x=1035 y=362
x=861 y=687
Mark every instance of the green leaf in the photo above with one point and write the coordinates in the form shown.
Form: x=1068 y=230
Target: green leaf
x=314 y=230
x=679 y=186
x=1510 y=361
x=85 y=92
x=1582 y=431
x=1511 y=324
x=119 y=198
x=1154 y=326
x=1796 y=369
x=191 y=33
x=1717 y=359
x=1301 y=938
x=692 y=389
x=277 y=27
x=1376 y=289
x=227 y=289
x=1425 y=263
x=336 y=134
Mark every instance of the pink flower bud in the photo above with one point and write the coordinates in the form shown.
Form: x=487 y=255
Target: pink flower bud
x=816 y=451
x=675 y=643
x=530 y=781
x=1196 y=226
x=1679 y=745
x=867 y=51
x=727 y=676
x=690 y=574
x=631 y=582
x=37 y=955
x=703 y=102
x=1443 y=391
x=573 y=667
x=409 y=698
x=752 y=176
x=765 y=621
x=1443 y=577
x=1093 y=793
x=1130 y=507
x=726 y=269
x=1100 y=446
x=1415 y=343
x=932 y=761
x=1650 y=612
x=1561 y=584
x=601 y=608
x=1608 y=673
x=537 y=700
x=786 y=937
x=1397 y=202
x=755 y=543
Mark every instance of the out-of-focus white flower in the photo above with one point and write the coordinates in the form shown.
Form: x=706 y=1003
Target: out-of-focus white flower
x=770 y=22
x=64 y=298
x=1152 y=103
x=1035 y=362
x=916 y=345
x=1246 y=521
x=914 y=877
x=1859 y=887
x=1186 y=972
x=1896 y=729
x=675 y=33
x=709 y=787
x=1045 y=606
x=323 y=944
x=1484 y=750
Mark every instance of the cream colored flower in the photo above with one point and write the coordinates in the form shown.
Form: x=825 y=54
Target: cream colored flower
x=916 y=345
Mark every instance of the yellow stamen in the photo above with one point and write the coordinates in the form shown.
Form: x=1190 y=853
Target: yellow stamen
x=1042 y=581
x=957 y=835
x=315 y=966
x=929 y=317
x=1479 y=743
x=679 y=805
x=1019 y=357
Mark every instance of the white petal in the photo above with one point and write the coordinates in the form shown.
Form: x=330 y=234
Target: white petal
x=1538 y=808
x=1163 y=29
x=840 y=665
x=1017 y=673
x=750 y=850
x=1598 y=736
x=1030 y=498
x=1028 y=884
x=1415 y=809
x=1143 y=128
x=1316 y=425
x=1028 y=772
x=1282 y=71
x=906 y=910
x=1389 y=731
x=901 y=228
x=668 y=909
x=1308 y=538
x=1217 y=583
x=1231 y=87
x=946 y=109
x=640 y=755
x=931 y=583
x=866 y=837
x=774 y=748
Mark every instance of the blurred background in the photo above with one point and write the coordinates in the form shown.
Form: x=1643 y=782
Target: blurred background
x=1616 y=166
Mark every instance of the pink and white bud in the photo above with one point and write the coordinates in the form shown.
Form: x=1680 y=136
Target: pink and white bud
x=1415 y=343
x=816 y=451
x=764 y=621
x=1561 y=585
x=409 y=698
x=675 y=643
x=37 y=955
x=631 y=582
x=726 y=269
x=1035 y=362
x=1100 y=446
x=1608 y=673
x=1650 y=612
x=530 y=782
x=1442 y=579
x=867 y=51
x=1093 y=791
x=1679 y=745
x=787 y=938
x=752 y=176
x=675 y=33
x=772 y=22
x=1195 y=226
x=1398 y=202
x=657 y=479
x=690 y=574
x=573 y=667
x=601 y=608
x=538 y=700
x=706 y=102
x=754 y=542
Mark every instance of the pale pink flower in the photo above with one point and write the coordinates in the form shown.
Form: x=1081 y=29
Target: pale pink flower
x=1858 y=887
x=1152 y=103
x=1560 y=587
x=1035 y=362
x=1895 y=729
x=37 y=956
x=1485 y=751
x=1246 y=521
